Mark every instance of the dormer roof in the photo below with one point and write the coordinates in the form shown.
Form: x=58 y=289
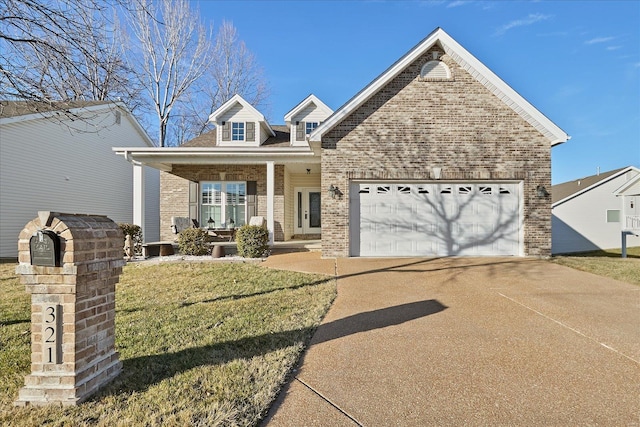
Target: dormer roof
x=305 y=103
x=215 y=117
x=469 y=63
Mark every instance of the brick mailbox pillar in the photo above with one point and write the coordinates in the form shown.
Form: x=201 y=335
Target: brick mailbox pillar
x=70 y=264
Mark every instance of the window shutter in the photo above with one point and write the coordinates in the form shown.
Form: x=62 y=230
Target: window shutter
x=300 y=130
x=194 y=200
x=251 y=131
x=226 y=131
x=252 y=198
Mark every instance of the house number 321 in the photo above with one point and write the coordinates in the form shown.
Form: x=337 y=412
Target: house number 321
x=51 y=325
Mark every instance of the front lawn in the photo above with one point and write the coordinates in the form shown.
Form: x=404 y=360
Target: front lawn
x=201 y=344
x=606 y=263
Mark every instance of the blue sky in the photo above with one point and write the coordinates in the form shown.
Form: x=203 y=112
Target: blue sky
x=578 y=62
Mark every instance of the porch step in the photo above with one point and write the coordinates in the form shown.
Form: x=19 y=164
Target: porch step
x=306 y=237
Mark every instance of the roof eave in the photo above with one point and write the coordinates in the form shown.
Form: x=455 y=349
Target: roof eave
x=594 y=185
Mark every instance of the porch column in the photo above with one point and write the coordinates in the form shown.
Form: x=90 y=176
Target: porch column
x=138 y=195
x=270 y=199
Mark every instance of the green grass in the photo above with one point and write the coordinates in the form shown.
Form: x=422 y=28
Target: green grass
x=606 y=263
x=201 y=344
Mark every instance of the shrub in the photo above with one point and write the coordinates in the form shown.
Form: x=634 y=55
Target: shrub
x=193 y=241
x=253 y=241
x=136 y=236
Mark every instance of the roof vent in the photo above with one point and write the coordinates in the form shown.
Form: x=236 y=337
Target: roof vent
x=435 y=69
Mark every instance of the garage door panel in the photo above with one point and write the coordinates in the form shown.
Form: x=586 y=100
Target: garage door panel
x=398 y=219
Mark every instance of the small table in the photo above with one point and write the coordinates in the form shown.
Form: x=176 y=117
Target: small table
x=228 y=234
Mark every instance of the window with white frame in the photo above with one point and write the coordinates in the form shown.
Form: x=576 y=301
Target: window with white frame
x=613 y=215
x=310 y=126
x=237 y=131
x=223 y=204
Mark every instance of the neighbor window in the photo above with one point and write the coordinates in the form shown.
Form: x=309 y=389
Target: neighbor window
x=223 y=202
x=310 y=126
x=237 y=131
x=613 y=215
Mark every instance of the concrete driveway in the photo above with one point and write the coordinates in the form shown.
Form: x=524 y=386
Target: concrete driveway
x=466 y=341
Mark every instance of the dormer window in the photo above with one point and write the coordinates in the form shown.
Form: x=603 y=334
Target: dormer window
x=237 y=131
x=309 y=127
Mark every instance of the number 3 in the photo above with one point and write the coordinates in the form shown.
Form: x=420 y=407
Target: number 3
x=51 y=312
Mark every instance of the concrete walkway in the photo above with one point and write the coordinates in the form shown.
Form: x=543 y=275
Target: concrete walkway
x=466 y=341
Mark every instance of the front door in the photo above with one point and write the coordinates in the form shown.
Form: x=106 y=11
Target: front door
x=307 y=210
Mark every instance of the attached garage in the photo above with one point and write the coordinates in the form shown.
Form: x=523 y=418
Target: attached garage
x=435 y=218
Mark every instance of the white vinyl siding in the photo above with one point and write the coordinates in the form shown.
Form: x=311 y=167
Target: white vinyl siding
x=46 y=166
x=253 y=133
x=580 y=224
x=309 y=114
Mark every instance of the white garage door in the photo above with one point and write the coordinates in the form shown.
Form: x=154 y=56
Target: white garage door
x=434 y=219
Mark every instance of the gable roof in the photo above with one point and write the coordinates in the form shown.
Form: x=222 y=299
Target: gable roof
x=467 y=61
x=561 y=193
x=10 y=109
x=22 y=111
x=311 y=99
x=237 y=99
x=629 y=188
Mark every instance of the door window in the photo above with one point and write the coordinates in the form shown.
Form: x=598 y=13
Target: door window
x=314 y=209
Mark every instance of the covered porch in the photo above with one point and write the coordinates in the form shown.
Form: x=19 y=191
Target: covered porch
x=229 y=187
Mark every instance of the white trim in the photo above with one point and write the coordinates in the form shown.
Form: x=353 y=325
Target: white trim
x=237 y=99
x=270 y=200
x=624 y=187
x=305 y=204
x=224 y=185
x=466 y=60
x=138 y=196
x=606 y=217
x=311 y=99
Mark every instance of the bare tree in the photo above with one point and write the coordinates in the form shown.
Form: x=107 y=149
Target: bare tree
x=233 y=71
x=66 y=50
x=174 y=52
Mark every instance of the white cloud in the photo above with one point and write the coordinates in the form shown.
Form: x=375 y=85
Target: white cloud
x=457 y=3
x=599 y=40
x=529 y=20
x=614 y=47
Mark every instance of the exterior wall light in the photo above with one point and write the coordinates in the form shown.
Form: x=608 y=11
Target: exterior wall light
x=334 y=192
x=542 y=192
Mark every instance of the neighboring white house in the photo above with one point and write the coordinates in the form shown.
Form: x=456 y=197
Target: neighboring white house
x=59 y=158
x=590 y=213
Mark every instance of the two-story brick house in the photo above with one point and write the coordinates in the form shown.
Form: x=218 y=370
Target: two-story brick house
x=436 y=156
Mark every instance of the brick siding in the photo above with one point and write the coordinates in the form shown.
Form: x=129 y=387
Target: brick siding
x=174 y=191
x=412 y=125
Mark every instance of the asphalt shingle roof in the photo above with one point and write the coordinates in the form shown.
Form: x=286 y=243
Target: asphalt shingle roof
x=566 y=189
x=20 y=108
x=282 y=138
